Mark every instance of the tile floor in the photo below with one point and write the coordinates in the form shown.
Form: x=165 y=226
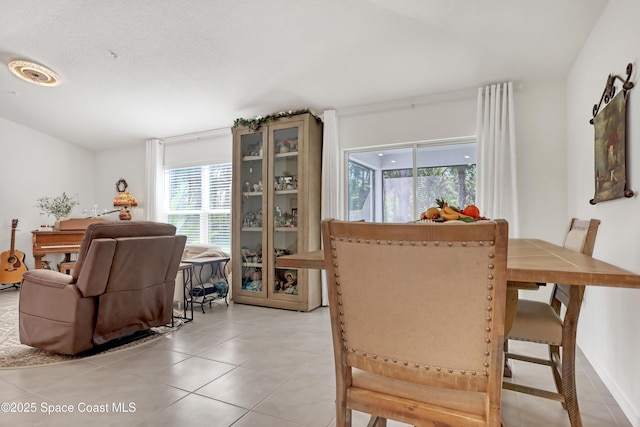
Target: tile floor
x=239 y=366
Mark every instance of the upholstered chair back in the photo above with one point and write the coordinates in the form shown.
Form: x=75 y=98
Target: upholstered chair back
x=417 y=315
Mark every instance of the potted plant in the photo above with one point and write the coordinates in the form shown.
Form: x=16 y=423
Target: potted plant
x=60 y=207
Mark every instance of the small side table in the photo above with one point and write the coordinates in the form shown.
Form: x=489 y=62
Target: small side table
x=199 y=289
x=187 y=281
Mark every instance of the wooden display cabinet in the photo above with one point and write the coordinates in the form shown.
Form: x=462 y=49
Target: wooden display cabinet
x=276 y=211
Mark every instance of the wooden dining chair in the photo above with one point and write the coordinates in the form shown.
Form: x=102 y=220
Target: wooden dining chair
x=417 y=318
x=544 y=323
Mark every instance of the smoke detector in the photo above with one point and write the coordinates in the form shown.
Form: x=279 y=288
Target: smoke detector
x=34 y=73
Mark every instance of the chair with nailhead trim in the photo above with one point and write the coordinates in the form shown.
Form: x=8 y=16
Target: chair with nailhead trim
x=417 y=319
x=544 y=323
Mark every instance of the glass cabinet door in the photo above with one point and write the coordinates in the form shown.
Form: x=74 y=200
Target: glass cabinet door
x=283 y=146
x=252 y=230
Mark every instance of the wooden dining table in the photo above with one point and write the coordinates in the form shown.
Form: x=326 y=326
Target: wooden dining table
x=528 y=261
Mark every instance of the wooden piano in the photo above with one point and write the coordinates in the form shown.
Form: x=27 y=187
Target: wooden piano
x=65 y=241
x=56 y=242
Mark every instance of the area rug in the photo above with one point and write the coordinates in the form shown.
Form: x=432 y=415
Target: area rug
x=14 y=355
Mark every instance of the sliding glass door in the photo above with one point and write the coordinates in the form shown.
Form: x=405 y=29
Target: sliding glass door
x=397 y=183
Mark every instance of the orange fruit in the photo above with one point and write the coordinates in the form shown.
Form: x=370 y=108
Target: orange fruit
x=472 y=211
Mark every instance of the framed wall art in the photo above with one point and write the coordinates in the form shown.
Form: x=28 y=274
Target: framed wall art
x=609 y=123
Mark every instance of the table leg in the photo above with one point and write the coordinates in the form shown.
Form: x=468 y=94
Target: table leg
x=510 y=316
x=222 y=271
x=187 y=286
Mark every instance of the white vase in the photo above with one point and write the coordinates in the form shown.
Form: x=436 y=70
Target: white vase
x=56 y=225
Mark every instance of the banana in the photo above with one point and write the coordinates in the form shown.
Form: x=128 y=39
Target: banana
x=448 y=210
x=450 y=217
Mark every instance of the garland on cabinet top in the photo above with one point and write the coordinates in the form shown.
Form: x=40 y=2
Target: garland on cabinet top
x=255 y=123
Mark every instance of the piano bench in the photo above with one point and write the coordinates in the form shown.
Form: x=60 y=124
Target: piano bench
x=66 y=267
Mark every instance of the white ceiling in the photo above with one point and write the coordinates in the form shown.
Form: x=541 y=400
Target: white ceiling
x=132 y=70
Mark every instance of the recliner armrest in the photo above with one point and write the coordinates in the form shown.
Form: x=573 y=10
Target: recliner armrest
x=94 y=275
x=50 y=278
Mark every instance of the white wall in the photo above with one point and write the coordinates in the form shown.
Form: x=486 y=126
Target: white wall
x=609 y=329
x=127 y=163
x=541 y=153
x=436 y=118
x=209 y=147
x=34 y=165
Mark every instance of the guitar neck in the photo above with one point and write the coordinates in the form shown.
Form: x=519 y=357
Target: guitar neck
x=13 y=240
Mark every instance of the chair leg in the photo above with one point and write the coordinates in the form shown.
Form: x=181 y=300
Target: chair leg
x=569 y=385
x=376 y=421
x=556 y=362
x=343 y=416
x=507 y=368
x=569 y=357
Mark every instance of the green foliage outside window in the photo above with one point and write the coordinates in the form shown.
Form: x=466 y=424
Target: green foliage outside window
x=360 y=185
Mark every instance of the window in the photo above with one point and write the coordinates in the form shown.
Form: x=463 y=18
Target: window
x=198 y=203
x=454 y=183
x=361 y=186
x=397 y=195
x=411 y=178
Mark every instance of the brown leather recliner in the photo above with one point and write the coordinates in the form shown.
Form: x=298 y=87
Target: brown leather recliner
x=123 y=282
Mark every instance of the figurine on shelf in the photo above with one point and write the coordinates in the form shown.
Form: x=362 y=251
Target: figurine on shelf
x=280 y=252
x=283 y=146
x=256 y=282
x=291 y=284
x=256 y=150
x=249 y=220
x=278 y=285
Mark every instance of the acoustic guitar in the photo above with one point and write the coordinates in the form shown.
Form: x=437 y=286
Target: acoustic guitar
x=12 y=262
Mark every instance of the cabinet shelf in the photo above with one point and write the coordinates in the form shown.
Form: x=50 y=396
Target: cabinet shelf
x=252 y=264
x=289 y=154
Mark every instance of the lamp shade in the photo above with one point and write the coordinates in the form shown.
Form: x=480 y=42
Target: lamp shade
x=125 y=199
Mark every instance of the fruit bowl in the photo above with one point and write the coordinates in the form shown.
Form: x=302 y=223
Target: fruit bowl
x=446 y=213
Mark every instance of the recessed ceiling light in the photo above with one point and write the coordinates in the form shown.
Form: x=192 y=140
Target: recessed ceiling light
x=34 y=73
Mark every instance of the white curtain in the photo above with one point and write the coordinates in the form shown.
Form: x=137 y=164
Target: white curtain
x=155 y=179
x=330 y=202
x=496 y=175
